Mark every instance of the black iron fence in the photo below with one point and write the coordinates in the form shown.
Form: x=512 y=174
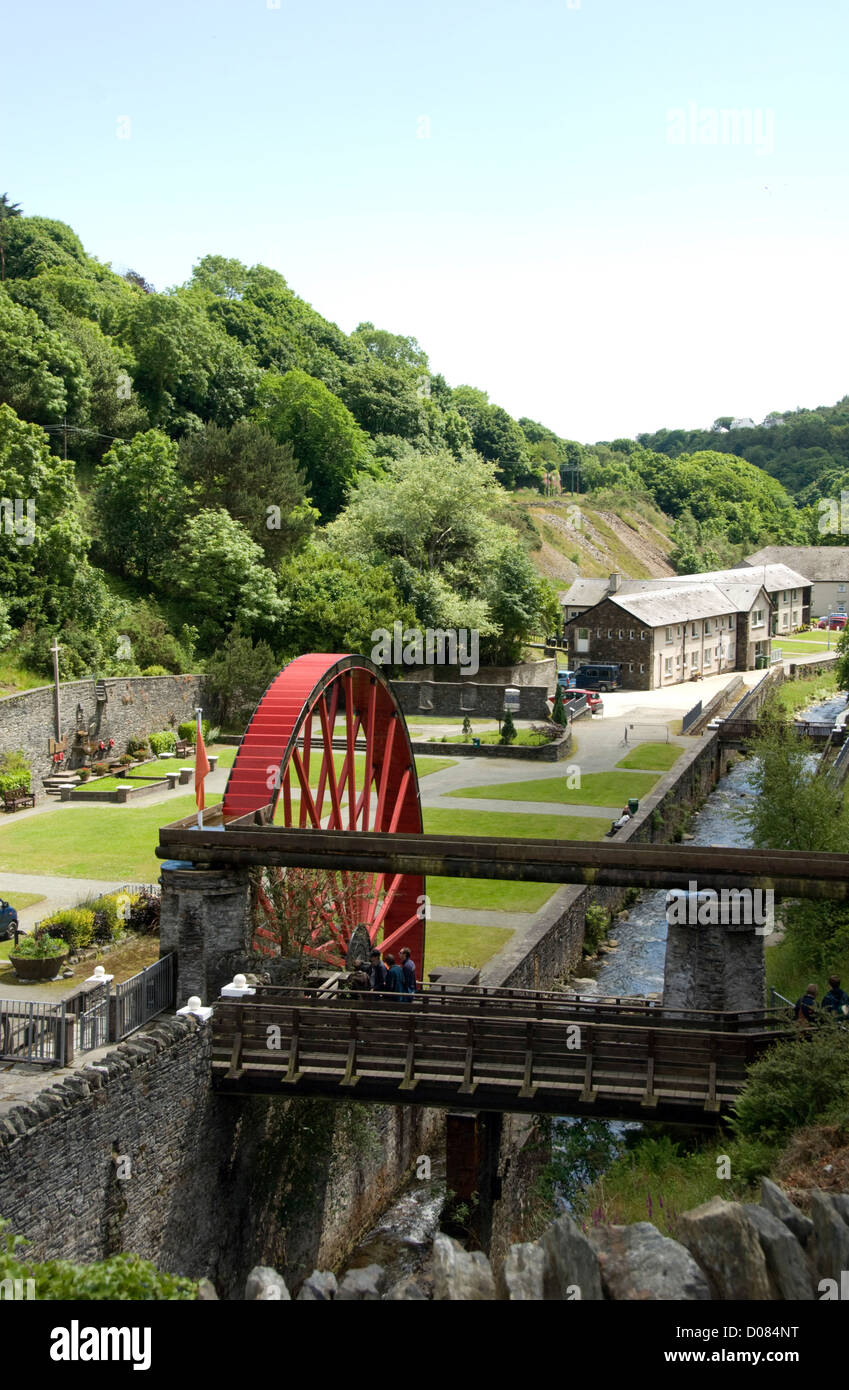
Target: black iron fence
x=144 y=996
x=35 y=1032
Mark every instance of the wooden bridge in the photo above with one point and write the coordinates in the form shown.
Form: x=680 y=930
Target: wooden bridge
x=491 y=1049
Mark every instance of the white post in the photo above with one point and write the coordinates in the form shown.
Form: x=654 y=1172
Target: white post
x=56 y=710
x=198 y=737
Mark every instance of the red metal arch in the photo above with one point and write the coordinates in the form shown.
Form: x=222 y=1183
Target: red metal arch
x=290 y=737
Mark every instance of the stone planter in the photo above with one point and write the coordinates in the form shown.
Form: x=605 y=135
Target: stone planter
x=31 y=968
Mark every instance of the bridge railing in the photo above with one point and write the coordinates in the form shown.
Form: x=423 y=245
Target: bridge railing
x=397 y=1052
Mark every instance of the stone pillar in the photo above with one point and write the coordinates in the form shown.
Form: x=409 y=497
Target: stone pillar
x=714 y=967
x=206 y=921
x=472 y=1150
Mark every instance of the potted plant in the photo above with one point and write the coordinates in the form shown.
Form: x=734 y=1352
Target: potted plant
x=38 y=957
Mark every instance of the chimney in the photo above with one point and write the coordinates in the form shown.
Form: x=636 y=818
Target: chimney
x=615 y=582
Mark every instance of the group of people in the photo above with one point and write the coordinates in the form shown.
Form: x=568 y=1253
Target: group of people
x=385 y=975
x=835 y=1003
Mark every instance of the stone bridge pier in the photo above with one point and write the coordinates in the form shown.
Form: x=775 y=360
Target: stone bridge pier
x=712 y=966
x=206 y=923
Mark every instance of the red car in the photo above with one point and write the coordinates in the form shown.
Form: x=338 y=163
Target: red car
x=835 y=622
x=594 y=700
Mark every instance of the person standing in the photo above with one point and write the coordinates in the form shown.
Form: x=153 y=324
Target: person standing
x=377 y=973
x=804 y=1011
x=394 y=978
x=408 y=970
x=836 y=1002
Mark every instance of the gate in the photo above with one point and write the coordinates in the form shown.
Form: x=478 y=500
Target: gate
x=143 y=996
x=93 y=1023
x=32 y=1032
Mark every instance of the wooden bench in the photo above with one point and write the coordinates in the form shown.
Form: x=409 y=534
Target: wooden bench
x=184 y=747
x=13 y=800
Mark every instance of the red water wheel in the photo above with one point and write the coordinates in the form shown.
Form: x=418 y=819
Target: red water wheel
x=287 y=759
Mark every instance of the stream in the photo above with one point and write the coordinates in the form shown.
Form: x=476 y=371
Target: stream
x=401 y=1240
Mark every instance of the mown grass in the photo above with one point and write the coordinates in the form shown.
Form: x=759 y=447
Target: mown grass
x=656 y=757
x=489 y=895
x=524 y=825
x=106 y=842
x=22 y=900
x=449 y=945
x=596 y=789
x=795 y=695
x=525 y=738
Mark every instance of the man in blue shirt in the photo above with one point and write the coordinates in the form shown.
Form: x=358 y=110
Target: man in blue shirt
x=394 y=979
x=408 y=970
x=837 y=1000
x=377 y=972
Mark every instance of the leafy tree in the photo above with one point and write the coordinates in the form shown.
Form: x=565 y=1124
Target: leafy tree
x=496 y=436
x=33 y=243
x=391 y=348
x=792 y=807
x=7 y=210
x=327 y=442
x=42 y=375
x=558 y=712
x=153 y=643
x=520 y=602
x=237 y=674
x=337 y=601
x=508 y=729
x=220 y=572
x=842 y=668
x=243 y=469
x=385 y=399
x=139 y=502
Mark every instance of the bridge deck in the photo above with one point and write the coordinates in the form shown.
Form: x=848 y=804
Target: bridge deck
x=485 y=1054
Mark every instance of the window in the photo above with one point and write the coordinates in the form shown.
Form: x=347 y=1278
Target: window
x=730 y=621
x=719 y=653
x=621 y=634
x=643 y=635
x=642 y=670
x=707 y=628
x=708 y=656
x=841 y=588
x=630 y=665
x=583 y=634
x=598 y=632
x=669 y=634
x=796 y=618
x=758 y=618
x=694 y=631
x=795 y=595
x=630 y=634
x=667 y=666
x=678 y=659
x=678 y=630
x=609 y=633
x=694 y=659
x=785 y=596
x=785 y=618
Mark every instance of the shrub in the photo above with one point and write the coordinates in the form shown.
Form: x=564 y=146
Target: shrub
x=467 y=729
x=164 y=742
x=188 y=729
x=596 y=922
x=126 y=759
x=40 y=947
x=100 y=769
x=155 y=671
x=508 y=729
x=108 y=918
x=15 y=771
x=796 y=1083
x=84 y=773
x=121 y=1277
x=75 y=925
x=144 y=914
x=137 y=745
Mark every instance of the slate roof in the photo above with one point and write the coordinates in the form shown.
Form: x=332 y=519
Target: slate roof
x=823 y=563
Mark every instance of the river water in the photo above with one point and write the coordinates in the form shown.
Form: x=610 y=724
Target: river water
x=401 y=1239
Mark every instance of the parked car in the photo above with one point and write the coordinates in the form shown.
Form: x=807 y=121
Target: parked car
x=566 y=679
x=594 y=701
x=834 y=622
x=8 y=920
x=599 y=676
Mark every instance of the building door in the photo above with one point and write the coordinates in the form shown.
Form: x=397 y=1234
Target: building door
x=582 y=641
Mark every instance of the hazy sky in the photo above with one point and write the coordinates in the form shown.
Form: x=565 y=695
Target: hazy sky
x=557 y=199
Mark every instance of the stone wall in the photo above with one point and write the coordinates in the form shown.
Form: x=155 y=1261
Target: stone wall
x=474 y=698
x=215 y=1185
x=135 y=706
x=553 y=752
x=522 y=674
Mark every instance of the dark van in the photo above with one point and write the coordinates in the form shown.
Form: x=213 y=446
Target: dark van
x=599 y=676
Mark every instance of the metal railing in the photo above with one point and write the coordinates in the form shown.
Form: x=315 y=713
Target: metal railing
x=92 y=1025
x=691 y=716
x=143 y=996
x=33 y=1032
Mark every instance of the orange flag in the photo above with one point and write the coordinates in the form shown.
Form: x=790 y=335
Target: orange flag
x=201 y=768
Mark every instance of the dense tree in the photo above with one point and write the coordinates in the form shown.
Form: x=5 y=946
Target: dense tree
x=255 y=478
x=496 y=436
x=7 y=210
x=391 y=348
x=42 y=375
x=336 y=602
x=328 y=444
x=220 y=572
x=237 y=673
x=139 y=503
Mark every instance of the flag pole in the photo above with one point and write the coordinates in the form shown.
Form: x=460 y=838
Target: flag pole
x=198 y=737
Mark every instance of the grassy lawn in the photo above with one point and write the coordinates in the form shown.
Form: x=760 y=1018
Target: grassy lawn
x=447 y=944
x=795 y=695
x=111 y=784
x=518 y=825
x=596 y=789
x=526 y=738
x=22 y=900
x=91 y=841
x=489 y=895
x=658 y=757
